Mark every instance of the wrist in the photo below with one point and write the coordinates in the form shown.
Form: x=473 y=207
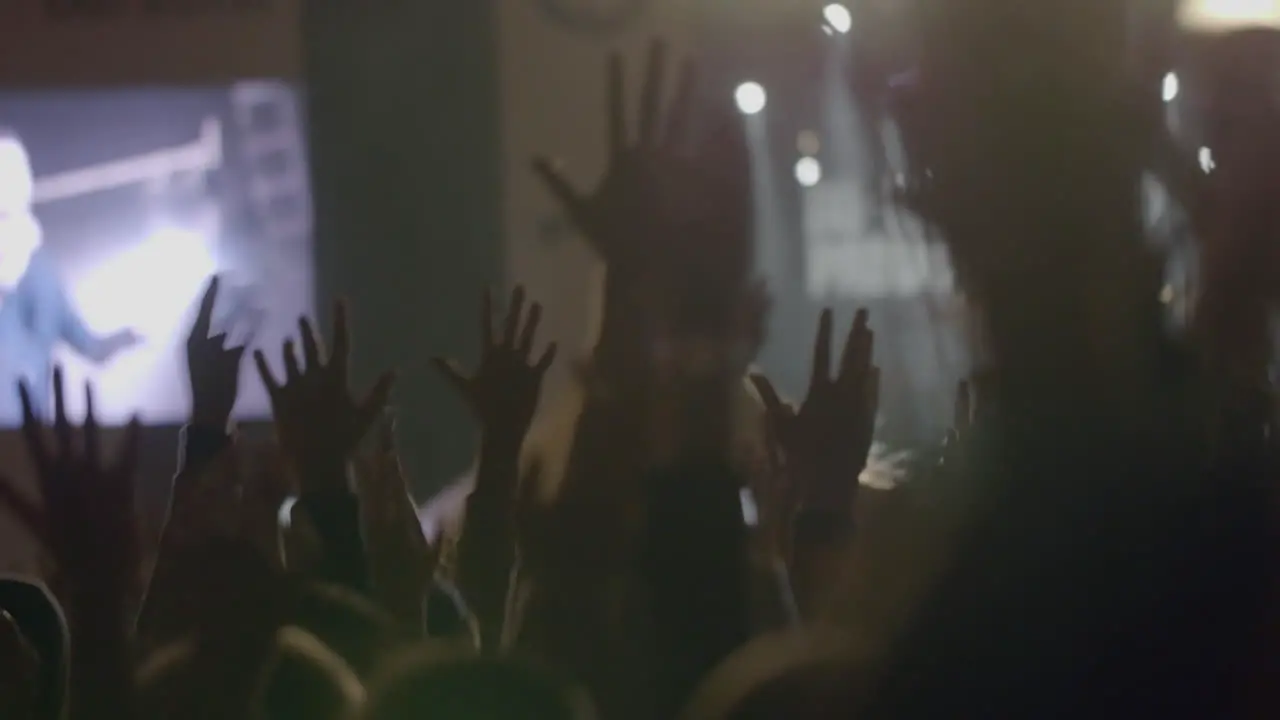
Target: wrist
x=207 y=419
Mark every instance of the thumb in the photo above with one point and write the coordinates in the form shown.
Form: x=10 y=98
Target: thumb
x=773 y=404
x=453 y=374
x=375 y=403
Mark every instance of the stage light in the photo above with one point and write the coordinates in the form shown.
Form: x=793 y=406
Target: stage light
x=751 y=98
x=838 y=18
x=1205 y=156
x=1169 y=90
x=808 y=171
x=149 y=286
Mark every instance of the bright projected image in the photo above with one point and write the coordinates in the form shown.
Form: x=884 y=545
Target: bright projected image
x=116 y=207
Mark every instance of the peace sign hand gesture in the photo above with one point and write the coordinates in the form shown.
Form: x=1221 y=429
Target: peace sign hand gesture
x=826 y=442
x=503 y=391
x=318 y=421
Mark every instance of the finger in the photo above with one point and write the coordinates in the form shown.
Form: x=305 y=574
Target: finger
x=821 y=372
x=310 y=345
x=530 y=330
x=61 y=425
x=454 y=375
x=768 y=395
x=128 y=458
x=374 y=404
x=544 y=362
x=486 y=320
x=91 y=441
x=32 y=430
x=204 y=318
x=570 y=200
x=854 y=356
x=236 y=354
x=264 y=372
x=616 y=109
x=963 y=406
x=514 y=313
x=651 y=93
x=291 y=370
x=679 y=117
x=340 y=358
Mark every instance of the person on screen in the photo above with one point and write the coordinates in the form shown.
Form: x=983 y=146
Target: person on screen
x=35 y=312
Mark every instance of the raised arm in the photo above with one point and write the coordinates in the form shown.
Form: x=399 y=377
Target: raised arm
x=213 y=370
x=503 y=394
x=319 y=425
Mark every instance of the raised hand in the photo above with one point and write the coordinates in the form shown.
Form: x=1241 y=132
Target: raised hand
x=88 y=520
x=212 y=368
x=89 y=526
x=318 y=422
x=628 y=190
x=825 y=443
x=503 y=394
x=650 y=180
x=504 y=389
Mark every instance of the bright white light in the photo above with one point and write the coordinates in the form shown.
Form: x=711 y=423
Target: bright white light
x=838 y=17
x=1169 y=90
x=149 y=288
x=1223 y=15
x=808 y=171
x=1206 y=160
x=750 y=97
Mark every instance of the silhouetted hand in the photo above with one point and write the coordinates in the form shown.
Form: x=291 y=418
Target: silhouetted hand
x=777 y=495
x=503 y=392
x=826 y=442
x=318 y=422
x=664 y=181
x=615 y=215
x=212 y=368
x=88 y=520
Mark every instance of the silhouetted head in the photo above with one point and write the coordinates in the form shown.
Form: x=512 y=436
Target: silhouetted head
x=426 y=682
x=39 y=622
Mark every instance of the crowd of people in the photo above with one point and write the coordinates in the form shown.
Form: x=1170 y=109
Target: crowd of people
x=1095 y=541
